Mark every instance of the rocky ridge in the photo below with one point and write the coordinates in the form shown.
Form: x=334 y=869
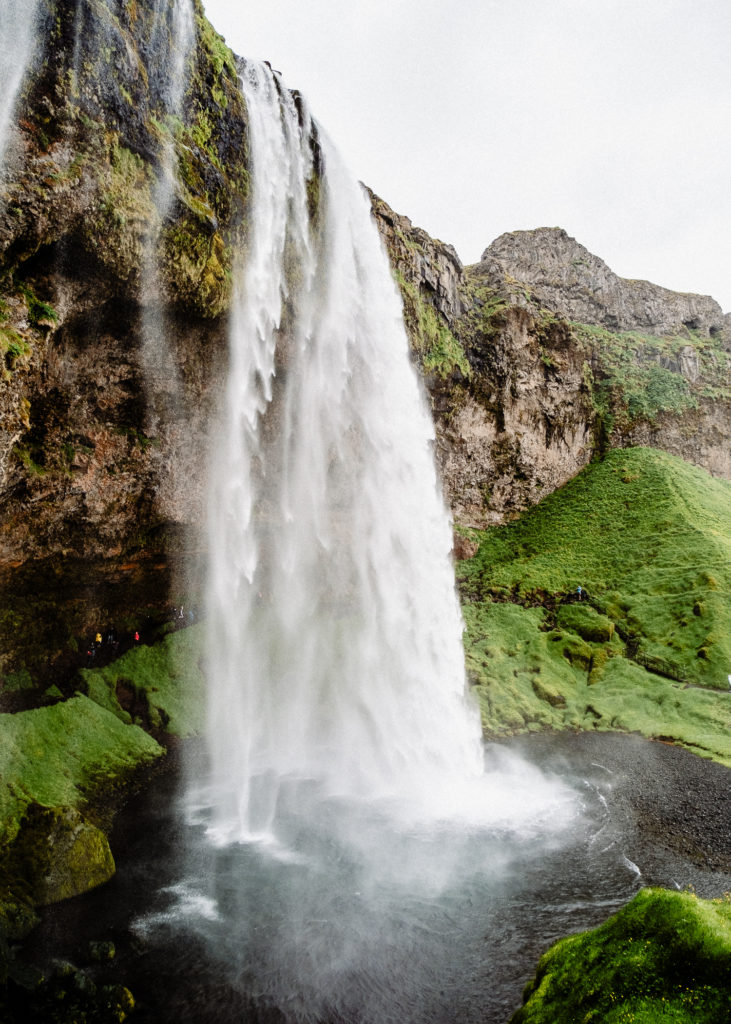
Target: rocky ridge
x=527 y=380
x=563 y=276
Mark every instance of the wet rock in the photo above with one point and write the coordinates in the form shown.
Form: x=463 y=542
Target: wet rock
x=59 y=854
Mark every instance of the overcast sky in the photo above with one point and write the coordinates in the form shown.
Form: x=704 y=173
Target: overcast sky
x=609 y=118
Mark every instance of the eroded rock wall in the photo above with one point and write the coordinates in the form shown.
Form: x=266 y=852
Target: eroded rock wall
x=536 y=384
x=120 y=220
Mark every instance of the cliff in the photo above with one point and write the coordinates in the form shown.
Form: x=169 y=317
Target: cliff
x=123 y=209
x=539 y=358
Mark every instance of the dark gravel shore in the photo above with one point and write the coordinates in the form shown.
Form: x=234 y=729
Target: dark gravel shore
x=674 y=807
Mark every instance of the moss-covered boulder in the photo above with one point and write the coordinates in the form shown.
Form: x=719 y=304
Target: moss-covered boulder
x=56 y=762
x=70 y=754
x=58 y=854
x=665 y=956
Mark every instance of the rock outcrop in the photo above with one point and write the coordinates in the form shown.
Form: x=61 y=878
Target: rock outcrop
x=563 y=276
x=528 y=382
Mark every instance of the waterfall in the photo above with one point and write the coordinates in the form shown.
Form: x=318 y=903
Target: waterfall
x=335 y=656
x=17 y=37
x=172 y=36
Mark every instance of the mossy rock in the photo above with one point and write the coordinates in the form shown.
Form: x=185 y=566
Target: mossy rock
x=665 y=956
x=584 y=620
x=69 y=754
x=17 y=914
x=58 y=854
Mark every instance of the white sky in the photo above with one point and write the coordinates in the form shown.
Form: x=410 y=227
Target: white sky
x=609 y=118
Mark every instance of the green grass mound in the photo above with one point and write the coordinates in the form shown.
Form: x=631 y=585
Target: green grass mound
x=665 y=956
x=648 y=537
x=159 y=687
x=65 y=755
x=527 y=677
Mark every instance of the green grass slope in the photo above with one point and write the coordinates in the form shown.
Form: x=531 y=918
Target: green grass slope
x=162 y=684
x=648 y=537
x=64 y=755
x=665 y=956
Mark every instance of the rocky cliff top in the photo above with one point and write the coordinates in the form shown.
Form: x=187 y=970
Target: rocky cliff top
x=563 y=276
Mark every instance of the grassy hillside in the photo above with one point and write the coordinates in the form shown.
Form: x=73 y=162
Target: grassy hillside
x=665 y=956
x=648 y=649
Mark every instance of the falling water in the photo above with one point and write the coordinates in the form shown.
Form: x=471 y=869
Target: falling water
x=347 y=809
x=172 y=38
x=336 y=634
x=17 y=36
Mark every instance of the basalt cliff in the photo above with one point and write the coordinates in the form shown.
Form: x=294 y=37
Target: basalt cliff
x=123 y=209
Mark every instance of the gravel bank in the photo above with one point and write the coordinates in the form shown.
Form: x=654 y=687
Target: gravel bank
x=672 y=807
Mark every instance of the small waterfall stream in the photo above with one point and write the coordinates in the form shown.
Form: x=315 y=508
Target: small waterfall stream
x=17 y=37
x=173 y=36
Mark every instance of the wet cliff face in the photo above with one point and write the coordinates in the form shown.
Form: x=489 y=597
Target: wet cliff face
x=123 y=208
x=527 y=380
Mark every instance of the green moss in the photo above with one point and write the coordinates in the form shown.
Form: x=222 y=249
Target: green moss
x=439 y=350
x=630 y=383
x=485 y=309
x=27 y=456
x=201 y=132
x=20 y=680
x=586 y=621
x=219 y=55
x=40 y=314
x=665 y=956
x=197 y=265
x=57 y=855
x=14 y=350
x=648 y=538
x=165 y=680
x=64 y=755
x=125 y=211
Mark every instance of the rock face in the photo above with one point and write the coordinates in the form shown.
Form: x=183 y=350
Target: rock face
x=428 y=265
x=121 y=216
x=525 y=396
x=567 y=279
